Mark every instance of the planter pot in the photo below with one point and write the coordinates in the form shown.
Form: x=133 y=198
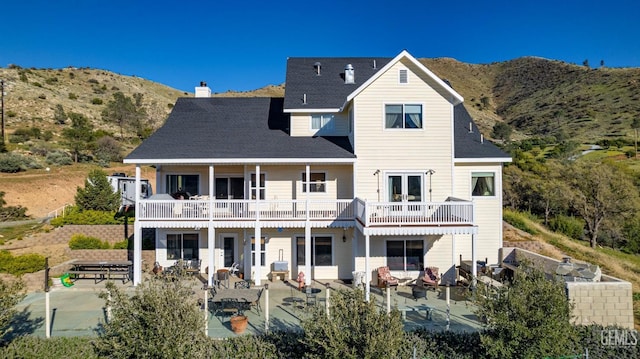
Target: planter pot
x=239 y=323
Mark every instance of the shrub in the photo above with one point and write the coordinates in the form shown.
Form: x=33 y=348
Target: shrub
x=29 y=346
x=11 y=113
x=19 y=265
x=80 y=241
x=96 y=101
x=97 y=193
x=11 y=163
x=42 y=96
x=74 y=216
x=121 y=245
x=72 y=96
x=569 y=226
x=59 y=157
x=164 y=317
x=92 y=81
x=37 y=84
x=10 y=295
x=51 y=80
x=47 y=135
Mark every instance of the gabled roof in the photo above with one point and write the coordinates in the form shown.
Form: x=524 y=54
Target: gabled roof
x=468 y=144
x=206 y=130
x=309 y=88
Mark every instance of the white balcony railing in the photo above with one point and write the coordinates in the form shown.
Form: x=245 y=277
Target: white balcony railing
x=368 y=213
x=414 y=213
x=245 y=210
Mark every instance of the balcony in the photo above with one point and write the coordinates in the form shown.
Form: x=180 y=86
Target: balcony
x=367 y=213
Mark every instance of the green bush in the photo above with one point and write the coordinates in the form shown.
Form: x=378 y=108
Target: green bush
x=27 y=263
x=55 y=347
x=96 y=101
x=80 y=241
x=569 y=226
x=59 y=157
x=10 y=163
x=72 y=96
x=121 y=245
x=74 y=216
x=11 y=113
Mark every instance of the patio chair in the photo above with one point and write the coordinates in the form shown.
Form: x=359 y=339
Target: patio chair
x=430 y=277
x=257 y=302
x=385 y=279
x=230 y=306
x=234 y=269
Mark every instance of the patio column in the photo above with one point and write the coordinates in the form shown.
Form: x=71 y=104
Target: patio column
x=307 y=253
x=211 y=233
x=453 y=258
x=258 y=231
x=137 y=236
x=474 y=267
x=367 y=268
x=211 y=240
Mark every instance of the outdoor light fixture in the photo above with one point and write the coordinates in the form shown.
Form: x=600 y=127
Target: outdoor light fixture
x=344 y=236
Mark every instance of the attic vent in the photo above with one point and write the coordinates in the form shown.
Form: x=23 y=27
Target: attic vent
x=349 y=75
x=317 y=66
x=374 y=64
x=403 y=76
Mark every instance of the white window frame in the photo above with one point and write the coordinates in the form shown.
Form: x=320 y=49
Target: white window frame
x=313 y=185
x=327 y=122
x=263 y=251
x=484 y=174
x=406 y=76
x=403 y=128
x=257 y=188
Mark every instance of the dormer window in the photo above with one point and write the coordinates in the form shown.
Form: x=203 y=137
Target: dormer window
x=403 y=76
x=322 y=122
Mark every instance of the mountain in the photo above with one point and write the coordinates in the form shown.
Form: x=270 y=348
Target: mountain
x=535 y=96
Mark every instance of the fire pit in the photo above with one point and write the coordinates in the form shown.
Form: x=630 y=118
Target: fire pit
x=419 y=292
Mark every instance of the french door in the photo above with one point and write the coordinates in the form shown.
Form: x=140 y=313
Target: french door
x=404 y=189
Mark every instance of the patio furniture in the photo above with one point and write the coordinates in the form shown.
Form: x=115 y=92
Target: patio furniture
x=230 y=306
x=194 y=266
x=431 y=277
x=243 y=284
x=428 y=311
x=311 y=295
x=234 y=269
x=385 y=279
x=419 y=291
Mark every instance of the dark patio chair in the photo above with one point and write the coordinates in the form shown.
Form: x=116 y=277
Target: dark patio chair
x=230 y=306
x=385 y=279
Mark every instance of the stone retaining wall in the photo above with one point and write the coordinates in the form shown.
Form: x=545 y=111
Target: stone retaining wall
x=608 y=302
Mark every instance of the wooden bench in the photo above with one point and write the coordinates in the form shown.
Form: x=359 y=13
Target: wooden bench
x=428 y=311
x=276 y=274
x=97 y=274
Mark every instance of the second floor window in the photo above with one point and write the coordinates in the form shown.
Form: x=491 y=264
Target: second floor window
x=182 y=185
x=322 y=122
x=403 y=116
x=483 y=184
x=318 y=182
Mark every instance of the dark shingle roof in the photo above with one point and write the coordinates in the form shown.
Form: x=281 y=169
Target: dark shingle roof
x=467 y=144
x=234 y=128
x=328 y=89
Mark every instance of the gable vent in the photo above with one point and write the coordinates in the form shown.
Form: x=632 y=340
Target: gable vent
x=403 y=76
x=349 y=75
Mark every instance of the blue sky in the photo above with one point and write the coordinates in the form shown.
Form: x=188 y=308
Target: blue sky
x=243 y=45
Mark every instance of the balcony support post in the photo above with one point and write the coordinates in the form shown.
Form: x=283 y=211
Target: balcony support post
x=367 y=268
x=137 y=235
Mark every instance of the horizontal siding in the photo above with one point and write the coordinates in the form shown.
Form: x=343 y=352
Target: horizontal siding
x=403 y=150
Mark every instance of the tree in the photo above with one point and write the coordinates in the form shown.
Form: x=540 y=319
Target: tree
x=502 y=131
x=124 y=112
x=59 y=116
x=585 y=63
x=107 y=149
x=355 y=328
x=97 y=193
x=10 y=296
x=635 y=124
x=79 y=134
x=601 y=191
x=161 y=320
x=529 y=318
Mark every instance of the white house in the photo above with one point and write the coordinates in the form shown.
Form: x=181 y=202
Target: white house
x=365 y=162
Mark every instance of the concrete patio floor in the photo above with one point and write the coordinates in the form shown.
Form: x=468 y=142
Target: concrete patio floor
x=77 y=311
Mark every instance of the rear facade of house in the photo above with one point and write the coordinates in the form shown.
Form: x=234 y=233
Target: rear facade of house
x=365 y=162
